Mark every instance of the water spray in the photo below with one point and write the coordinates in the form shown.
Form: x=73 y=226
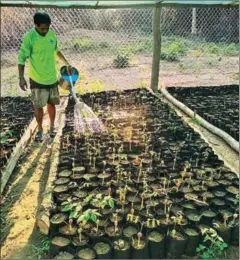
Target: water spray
x=84 y=118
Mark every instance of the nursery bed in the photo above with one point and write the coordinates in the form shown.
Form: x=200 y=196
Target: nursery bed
x=147 y=168
x=16 y=130
x=218 y=105
x=16 y=114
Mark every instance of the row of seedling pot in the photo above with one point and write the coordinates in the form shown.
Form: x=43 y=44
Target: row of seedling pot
x=218 y=105
x=16 y=114
x=154 y=238
x=138 y=185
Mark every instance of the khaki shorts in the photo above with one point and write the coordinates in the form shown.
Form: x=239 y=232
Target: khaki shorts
x=43 y=96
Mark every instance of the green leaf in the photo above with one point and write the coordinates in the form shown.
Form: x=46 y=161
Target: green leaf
x=67 y=208
x=88 y=198
x=86 y=218
x=220 y=239
x=64 y=203
x=225 y=245
x=78 y=208
x=94 y=202
x=80 y=219
x=206 y=255
x=73 y=214
x=99 y=196
x=97 y=214
x=94 y=218
x=111 y=204
x=202 y=247
x=103 y=204
x=206 y=238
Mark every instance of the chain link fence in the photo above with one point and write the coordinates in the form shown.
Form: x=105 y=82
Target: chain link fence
x=112 y=48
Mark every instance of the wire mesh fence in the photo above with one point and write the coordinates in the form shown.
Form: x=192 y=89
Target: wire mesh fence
x=113 y=48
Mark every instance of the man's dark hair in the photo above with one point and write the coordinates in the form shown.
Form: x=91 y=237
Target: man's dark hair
x=41 y=18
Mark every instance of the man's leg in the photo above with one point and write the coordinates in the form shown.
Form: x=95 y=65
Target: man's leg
x=39 y=97
x=51 y=112
x=39 y=117
x=54 y=99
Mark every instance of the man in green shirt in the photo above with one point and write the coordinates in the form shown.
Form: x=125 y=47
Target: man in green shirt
x=40 y=47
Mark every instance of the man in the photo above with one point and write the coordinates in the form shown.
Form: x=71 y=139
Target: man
x=40 y=47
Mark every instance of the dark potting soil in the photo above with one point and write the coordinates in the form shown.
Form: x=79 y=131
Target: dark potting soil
x=218 y=105
x=166 y=146
x=16 y=115
x=64 y=255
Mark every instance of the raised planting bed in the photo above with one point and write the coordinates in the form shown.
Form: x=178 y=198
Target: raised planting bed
x=16 y=115
x=218 y=105
x=142 y=189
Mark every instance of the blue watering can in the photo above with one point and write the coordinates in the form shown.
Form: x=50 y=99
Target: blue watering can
x=67 y=81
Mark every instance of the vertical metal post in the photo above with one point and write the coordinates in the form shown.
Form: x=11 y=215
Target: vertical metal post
x=194 y=21
x=156 y=48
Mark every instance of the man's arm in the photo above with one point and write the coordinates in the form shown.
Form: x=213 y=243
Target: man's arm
x=64 y=60
x=22 y=81
x=23 y=55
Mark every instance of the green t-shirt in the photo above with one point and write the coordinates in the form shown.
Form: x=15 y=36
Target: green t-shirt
x=40 y=50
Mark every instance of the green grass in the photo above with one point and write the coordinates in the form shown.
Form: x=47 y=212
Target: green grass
x=173 y=51
x=235 y=76
x=194 y=121
x=173 y=48
x=140 y=47
x=41 y=250
x=85 y=44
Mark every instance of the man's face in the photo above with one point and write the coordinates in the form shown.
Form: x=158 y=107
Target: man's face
x=42 y=29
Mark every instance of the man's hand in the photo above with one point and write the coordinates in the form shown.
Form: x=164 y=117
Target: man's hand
x=69 y=69
x=23 y=84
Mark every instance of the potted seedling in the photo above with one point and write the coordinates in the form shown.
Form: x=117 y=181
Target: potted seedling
x=156 y=240
x=224 y=229
x=115 y=230
x=206 y=154
x=150 y=224
x=235 y=229
x=176 y=243
x=86 y=252
x=56 y=220
x=132 y=227
x=139 y=245
x=121 y=248
x=82 y=238
x=140 y=171
x=192 y=241
x=101 y=202
x=92 y=214
x=212 y=246
x=115 y=136
x=131 y=217
x=122 y=196
x=103 y=248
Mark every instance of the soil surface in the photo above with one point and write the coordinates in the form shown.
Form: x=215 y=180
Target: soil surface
x=100 y=69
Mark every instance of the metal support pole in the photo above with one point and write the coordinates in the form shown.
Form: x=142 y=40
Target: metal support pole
x=156 y=48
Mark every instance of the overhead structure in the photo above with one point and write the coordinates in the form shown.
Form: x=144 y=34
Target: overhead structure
x=158 y=4
x=122 y=4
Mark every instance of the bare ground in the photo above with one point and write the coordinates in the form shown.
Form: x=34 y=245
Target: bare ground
x=210 y=71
